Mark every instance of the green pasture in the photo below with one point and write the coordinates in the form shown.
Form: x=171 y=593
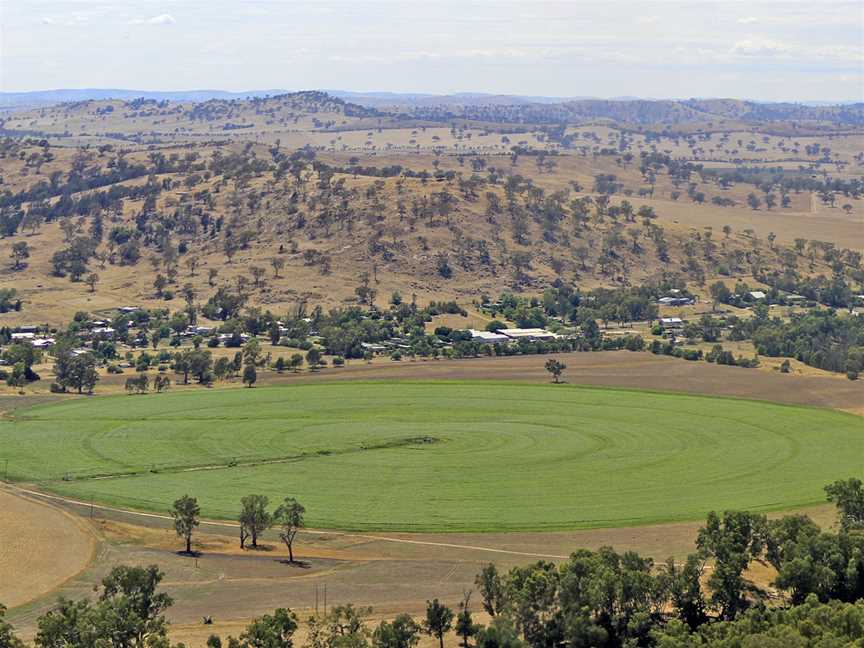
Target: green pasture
x=437 y=456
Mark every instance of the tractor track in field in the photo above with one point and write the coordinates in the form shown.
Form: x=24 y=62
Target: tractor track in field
x=408 y=442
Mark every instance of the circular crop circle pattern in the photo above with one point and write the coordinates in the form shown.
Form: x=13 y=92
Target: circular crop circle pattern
x=438 y=456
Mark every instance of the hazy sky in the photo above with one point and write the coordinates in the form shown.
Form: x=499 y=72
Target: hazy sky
x=759 y=49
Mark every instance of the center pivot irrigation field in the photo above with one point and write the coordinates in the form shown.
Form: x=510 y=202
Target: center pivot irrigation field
x=438 y=456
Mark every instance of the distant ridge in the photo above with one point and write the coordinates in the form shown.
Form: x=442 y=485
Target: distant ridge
x=489 y=108
x=377 y=99
x=48 y=97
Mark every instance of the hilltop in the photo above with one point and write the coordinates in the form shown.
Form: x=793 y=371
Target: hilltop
x=296 y=198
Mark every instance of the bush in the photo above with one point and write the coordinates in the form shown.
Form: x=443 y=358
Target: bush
x=213 y=342
x=338 y=361
x=57 y=388
x=690 y=354
x=114 y=369
x=634 y=343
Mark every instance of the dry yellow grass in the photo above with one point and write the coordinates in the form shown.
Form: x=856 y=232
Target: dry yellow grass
x=41 y=547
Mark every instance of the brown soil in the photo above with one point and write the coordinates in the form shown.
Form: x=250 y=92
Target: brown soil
x=613 y=369
x=40 y=548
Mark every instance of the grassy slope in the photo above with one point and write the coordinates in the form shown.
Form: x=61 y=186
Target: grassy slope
x=509 y=456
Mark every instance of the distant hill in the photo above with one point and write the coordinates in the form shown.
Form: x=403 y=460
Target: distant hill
x=641 y=112
x=400 y=100
x=489 y=108
x=48 y=97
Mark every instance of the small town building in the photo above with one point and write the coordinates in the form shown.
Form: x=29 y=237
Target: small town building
x=527 y=334
x=675 y=301
x=488 y=337
x=668 y=323
x=199 y=330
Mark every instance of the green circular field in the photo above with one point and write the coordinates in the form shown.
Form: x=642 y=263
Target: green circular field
x=438 y=456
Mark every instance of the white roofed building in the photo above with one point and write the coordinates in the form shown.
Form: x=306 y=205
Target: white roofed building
x=528 y=334
x=488 y=337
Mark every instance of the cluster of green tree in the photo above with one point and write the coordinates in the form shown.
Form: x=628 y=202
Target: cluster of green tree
x=669 y=348
x=469 y=349
x=819 y=338
x=568 y=304
x=721 y=356
x=73 y=370
x=254 y=520
x=784 y=181
x=20 y=356
x=139 y=384
x=355 y=169
x=835 y=292
x=574 y=342
x=607 y=599
x=76 y=181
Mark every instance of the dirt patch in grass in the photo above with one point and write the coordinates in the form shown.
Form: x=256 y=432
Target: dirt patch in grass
x=40 y=548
